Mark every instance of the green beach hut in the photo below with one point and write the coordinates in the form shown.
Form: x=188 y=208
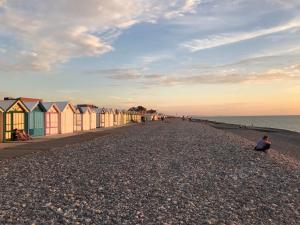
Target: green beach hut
x=35 y=118
x=14 y=117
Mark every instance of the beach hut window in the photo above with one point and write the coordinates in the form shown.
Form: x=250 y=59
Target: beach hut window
x=18 y=121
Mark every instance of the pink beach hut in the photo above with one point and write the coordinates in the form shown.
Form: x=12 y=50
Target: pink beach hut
x=51 y=118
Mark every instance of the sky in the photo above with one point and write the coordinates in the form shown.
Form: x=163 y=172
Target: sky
x=195 y=57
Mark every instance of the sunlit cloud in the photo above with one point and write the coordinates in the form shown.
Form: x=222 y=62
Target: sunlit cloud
x=231 y=38
x=70 y=29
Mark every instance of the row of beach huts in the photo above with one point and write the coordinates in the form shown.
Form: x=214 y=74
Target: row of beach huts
x=39 y=118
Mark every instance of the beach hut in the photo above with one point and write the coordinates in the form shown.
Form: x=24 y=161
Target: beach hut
x=131 y=116
x=138 y=117
x=128 y=117
x=13 y=117
x=35 y=117
x=148 y=116
x=107 y=117
x=117 y=117
x=111 y=117
x=124 y=117
x=51 y=118
x=86 y=118
x=66 y=117
x=1 y=124
x=102 y=117
x=77 y=120
x=93 y=119
x=98 y=117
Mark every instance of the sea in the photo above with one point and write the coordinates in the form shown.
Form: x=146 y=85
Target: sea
x=291 y=123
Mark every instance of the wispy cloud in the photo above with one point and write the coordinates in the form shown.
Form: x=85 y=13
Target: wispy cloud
x=231 y=38
x=291 y=72
x=119 y=73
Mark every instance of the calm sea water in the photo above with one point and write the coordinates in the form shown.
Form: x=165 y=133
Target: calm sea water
x=282 y=122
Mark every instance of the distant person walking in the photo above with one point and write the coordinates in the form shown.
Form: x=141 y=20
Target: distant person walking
x=263 y=144
x=143 y=119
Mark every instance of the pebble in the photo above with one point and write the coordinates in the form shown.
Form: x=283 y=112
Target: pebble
x=159 y=173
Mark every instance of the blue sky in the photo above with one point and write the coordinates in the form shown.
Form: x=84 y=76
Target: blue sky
x=206 y=57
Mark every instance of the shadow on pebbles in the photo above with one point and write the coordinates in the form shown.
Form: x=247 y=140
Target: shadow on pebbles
x=159 y=173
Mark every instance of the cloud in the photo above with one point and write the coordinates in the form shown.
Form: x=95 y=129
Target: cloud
x=185 y=6
x=70 y=29
x=120 y=74
x=231 y=38
x=153 y=58
x=288 y=73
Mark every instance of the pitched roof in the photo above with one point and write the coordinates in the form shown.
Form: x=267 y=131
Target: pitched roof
x=48 y=105
x=84 y=109
x=62 y=105
x=7 y=104
x=31 y=105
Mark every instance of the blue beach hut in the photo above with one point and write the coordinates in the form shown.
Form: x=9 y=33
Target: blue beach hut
x=35 y=118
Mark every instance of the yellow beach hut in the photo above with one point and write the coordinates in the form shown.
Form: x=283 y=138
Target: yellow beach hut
x=51 y=118
x=66 y=117
x=14 y=113
x=1 y=124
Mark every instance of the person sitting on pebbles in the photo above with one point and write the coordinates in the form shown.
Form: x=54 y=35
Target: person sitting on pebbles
x=263 y=144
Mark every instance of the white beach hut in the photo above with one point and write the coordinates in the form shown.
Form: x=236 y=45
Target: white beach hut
x=102 y=117
x=77 y=120
x=86 y=118
x=111 y=117
x=66 y=117
x=51 y=118
x=93 y=124
x=117 y=117
x=124 y=117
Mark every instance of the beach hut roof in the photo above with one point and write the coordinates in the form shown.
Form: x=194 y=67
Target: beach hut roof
x=98 y=110
x=48 y=105
x=63 y=105
x=5 y=105
x=85 y=109
x=1 y=110
x=31 y=105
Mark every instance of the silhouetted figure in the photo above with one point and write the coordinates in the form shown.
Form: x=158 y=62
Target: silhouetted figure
x=143 y=119
x=263 y=144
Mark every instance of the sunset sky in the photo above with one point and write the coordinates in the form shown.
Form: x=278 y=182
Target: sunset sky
x=199 y=57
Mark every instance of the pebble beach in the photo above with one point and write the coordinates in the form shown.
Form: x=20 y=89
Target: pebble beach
x=174 y=172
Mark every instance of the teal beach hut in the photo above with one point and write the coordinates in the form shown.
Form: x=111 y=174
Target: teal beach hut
x=35 y=118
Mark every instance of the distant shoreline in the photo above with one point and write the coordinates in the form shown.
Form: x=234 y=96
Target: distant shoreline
x=284 y=141
x=240 y=126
